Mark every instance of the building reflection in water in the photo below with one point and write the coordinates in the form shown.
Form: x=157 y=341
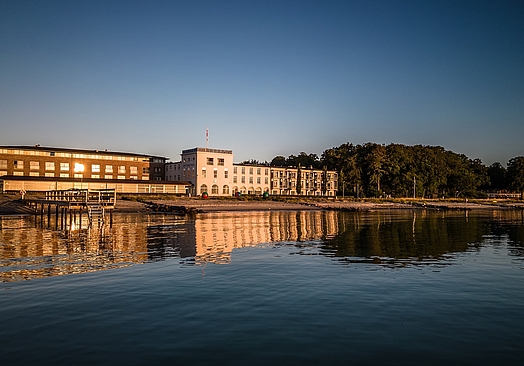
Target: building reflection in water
x=397 y=238
x=216 y=235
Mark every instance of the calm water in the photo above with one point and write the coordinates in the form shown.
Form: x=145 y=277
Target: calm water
x=417 y=288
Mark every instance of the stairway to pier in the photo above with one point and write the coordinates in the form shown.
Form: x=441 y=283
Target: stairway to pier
x=96 y=214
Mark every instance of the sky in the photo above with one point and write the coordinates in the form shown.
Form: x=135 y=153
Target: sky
x=266 y=77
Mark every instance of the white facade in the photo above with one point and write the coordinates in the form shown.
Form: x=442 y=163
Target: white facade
x=212 y=171
x=208 y=170
x=251 y=179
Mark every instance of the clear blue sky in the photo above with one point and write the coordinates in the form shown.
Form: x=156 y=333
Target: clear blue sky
x=268 y=77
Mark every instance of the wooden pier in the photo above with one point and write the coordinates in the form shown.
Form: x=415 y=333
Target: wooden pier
x=68 y=204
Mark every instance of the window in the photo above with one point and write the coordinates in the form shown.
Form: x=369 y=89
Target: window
x=145 y=170
x=243 y=170
x=121 y=177
x=108 y=176
x=226 y=174
x=64 y=167
x=258 y=171
x=203 y=188
x=266 y=171
x=33 y=174
x=266 y=179
x=109 y=169
x=96 y=176
x=64 y=175
x=215 y=173
x=209 y=161
x=49 y=165
x=3 y=172
x=133 y=170
x=225 y=190
x=3 y=164
x=95 y=168
x=258 y=180
x=34 y=165
x=235 y=170
x=204 y=173
x=234 y=179
x=243 y=180
x=251 y=180
x=121 y=169
x=49 y=174
x=78 y=175
x=250 y=170
x=214 y=189
x=220 y=161
x=19 y=164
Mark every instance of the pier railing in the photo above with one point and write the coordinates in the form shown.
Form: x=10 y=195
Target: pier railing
x=104 y=197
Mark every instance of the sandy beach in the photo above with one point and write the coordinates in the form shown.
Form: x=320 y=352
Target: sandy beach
x=199 y=205
x=11 y=205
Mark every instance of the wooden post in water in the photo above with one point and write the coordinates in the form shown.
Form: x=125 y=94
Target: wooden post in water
x=56 y=217
x=41 y=215
x=49 y=216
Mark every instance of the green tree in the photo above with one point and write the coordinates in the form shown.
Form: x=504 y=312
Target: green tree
x=299 y=180
x=497 y=176
x=516 y=175
x=278 y=161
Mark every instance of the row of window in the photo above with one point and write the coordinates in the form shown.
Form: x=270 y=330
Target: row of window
x=243 y=180
x=76 y=175
x=77 y=156
x=211 y=161
x=250 y=170
x=225 y=189
x=65 y=167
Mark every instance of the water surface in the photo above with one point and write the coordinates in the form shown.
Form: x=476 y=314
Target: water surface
x=413 y=287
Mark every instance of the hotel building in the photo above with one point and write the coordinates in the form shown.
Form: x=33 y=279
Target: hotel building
x=212 y=171
x=39 y=168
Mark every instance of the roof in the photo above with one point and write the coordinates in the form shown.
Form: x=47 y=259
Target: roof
x=205 y=149
x=82 y=151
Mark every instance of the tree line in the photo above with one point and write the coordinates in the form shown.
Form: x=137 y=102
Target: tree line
x=396 y=170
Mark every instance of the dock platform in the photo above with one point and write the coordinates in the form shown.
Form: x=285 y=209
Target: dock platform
x=97 y=204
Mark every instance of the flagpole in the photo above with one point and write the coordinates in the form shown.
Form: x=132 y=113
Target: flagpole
x=207 y=137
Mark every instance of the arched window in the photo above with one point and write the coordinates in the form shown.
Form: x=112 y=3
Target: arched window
x=214 y=189
x=243 y=190
x=225 y=190
x=235 y=189
x=203 y=188
x=258 y=191
x=251 y=190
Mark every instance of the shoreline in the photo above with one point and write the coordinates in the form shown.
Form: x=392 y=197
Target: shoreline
x=184 y=205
